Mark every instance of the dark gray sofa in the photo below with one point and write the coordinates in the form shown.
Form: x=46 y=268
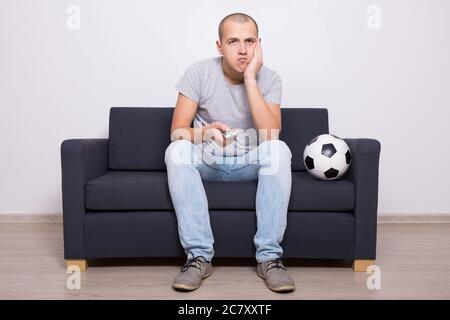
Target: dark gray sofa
x=116 y=201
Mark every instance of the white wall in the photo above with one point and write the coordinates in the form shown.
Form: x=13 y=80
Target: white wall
x=392 y=84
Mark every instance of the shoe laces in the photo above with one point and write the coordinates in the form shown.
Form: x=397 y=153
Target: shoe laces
x=275 y=264
x=194 y=263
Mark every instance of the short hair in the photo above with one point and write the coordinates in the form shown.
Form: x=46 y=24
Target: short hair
x=237 y=17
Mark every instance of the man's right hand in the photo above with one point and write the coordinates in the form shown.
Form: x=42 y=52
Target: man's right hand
x=214 y=132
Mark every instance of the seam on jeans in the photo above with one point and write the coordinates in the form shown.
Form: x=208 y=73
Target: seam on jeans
x=241 y=167
x=201 y=165
x=223 y=171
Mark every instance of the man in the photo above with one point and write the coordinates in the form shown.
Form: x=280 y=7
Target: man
x=232 y=91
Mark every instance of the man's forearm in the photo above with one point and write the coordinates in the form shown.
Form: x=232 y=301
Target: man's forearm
x=263 y=117
x=194 y=135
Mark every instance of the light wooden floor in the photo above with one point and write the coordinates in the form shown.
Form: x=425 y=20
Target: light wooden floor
x=414 y=261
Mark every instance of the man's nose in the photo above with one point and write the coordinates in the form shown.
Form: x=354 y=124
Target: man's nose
x=242 y=48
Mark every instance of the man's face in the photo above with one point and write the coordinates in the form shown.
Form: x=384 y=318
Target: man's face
x=238 y=44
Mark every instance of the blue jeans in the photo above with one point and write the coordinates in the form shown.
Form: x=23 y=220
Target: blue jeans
x=269 y=163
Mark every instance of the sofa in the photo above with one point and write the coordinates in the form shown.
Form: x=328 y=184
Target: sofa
x=116 y=201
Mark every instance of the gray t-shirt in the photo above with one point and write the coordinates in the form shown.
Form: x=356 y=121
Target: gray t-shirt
x=218 y=100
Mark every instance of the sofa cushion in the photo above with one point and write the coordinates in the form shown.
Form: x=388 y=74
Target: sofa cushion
x=148 y=190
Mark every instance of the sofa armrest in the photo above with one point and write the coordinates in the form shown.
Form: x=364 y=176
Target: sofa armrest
x=363 y=172
x=81 y=160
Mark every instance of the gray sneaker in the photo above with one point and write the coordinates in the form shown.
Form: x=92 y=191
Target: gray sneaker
x=192 y=273
x=276 y=276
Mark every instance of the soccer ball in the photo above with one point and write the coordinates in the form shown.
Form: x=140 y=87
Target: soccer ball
x=327 y=157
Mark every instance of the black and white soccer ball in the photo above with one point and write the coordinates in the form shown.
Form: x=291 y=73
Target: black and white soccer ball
x=327 y=157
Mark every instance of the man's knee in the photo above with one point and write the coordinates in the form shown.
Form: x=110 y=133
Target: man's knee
x=275 y=149
x=274 y=155
x=179 y=152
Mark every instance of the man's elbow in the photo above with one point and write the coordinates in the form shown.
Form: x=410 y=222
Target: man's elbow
x=180 y=133
x=270 y=134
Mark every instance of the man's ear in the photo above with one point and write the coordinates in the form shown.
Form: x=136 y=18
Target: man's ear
x=219 y=46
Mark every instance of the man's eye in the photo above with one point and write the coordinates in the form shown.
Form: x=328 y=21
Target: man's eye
x=251 y=41
x=232 y=41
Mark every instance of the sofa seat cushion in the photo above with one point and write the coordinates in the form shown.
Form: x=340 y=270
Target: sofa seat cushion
x=148 y=190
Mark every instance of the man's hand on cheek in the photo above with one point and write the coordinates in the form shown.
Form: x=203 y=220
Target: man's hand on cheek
x=255 y=64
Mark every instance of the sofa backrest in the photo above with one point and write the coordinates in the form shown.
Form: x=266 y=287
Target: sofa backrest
x=139 y=136
x=298 y=127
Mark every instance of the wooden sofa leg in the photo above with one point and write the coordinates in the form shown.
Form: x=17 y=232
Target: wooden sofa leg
x=362 y=265
x=82 y=264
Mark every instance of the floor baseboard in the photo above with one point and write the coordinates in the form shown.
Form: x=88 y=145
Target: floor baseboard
x=414 y=218
x=382 y=218
x=30 y=217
